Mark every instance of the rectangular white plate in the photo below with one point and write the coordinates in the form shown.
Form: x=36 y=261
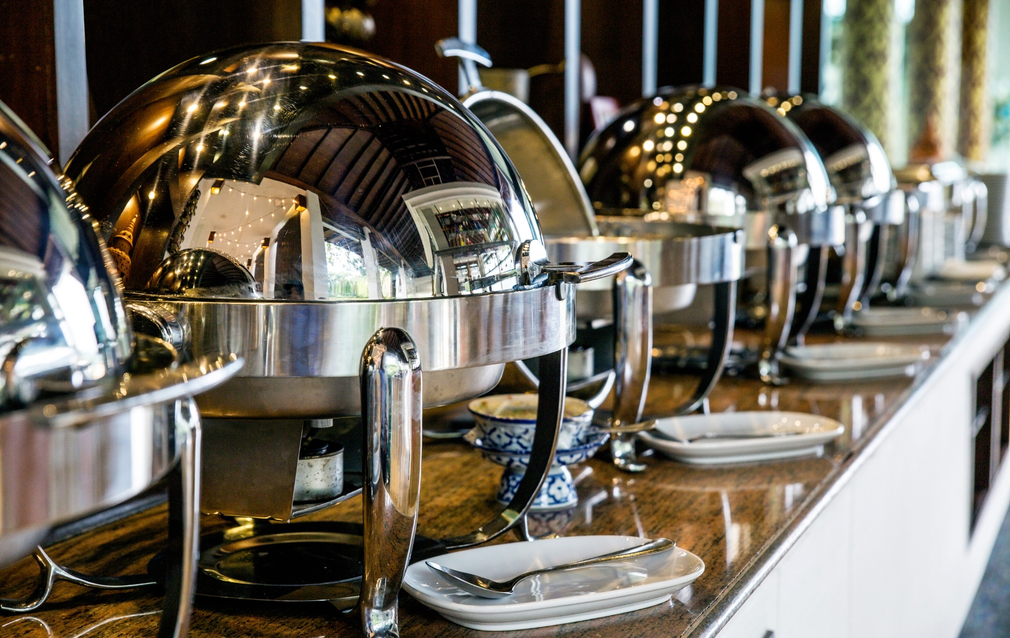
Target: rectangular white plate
x=789 y=434
x=553 y=599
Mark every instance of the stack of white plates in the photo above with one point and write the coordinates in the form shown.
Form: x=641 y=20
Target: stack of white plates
x=741 y=437
x=898 y=322
x=832 y=362
x=557 y=598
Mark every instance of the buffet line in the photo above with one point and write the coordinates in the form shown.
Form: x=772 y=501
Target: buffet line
x=276 y=277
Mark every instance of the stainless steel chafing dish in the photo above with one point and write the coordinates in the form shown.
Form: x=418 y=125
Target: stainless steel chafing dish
x=718 y=156
x=947 y=218
x=864 y=184
x=672 y=259
x=88 y=419
x=340 y=222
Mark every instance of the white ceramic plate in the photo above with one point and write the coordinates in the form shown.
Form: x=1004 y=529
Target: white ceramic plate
x=879 y=322
x=961 y=270
x=853 y=361
x=553 y=599
x=790 y=434
x=955 y=293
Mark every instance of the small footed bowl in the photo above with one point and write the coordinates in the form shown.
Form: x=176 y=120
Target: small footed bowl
x=558 y=490
x=507 y=422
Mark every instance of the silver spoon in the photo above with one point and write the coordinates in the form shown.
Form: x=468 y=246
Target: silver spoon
x=487 y=588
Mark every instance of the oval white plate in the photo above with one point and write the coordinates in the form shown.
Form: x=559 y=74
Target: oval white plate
x=853 y=361
x=855 y=355
x=961 y=270
x=907 y=321
x=804 y=434
x=553 y=599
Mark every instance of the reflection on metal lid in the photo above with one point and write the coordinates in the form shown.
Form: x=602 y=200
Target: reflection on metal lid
x=703 y=152
x=301 y=167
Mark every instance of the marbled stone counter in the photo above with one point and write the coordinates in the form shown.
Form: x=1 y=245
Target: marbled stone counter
x=738 y=519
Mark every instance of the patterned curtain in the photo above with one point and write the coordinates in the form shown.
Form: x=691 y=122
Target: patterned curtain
x=928 y=79
x=866 y=52
x=971 y=141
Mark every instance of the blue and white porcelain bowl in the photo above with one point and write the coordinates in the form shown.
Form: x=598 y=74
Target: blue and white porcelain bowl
x=507 y=422
x=558 y=491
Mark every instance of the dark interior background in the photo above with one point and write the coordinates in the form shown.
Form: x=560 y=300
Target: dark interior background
x=129 y=42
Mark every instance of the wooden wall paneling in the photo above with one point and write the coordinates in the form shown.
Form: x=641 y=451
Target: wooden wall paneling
x=810 y=63
x=525 y=33
x=406 y=33
x=28 y=65
x=612 y=40
x=775 y=60
x=681 y=42
x=130 y=42
x=732 y=65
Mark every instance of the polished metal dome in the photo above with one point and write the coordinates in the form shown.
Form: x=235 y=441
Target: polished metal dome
x=704 y=153
x=297 y=171
x=856 y=163
x=62 y=322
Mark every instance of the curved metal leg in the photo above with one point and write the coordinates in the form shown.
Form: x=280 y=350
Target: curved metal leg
x=183 y=550
x=808 y=304
x=854 y=273
x=781 y=301
x=909 y=245
x=874 y=257
x=632 y=292
x=718 y=352
x=391 y=422
x=50 y=572
x=550 y=410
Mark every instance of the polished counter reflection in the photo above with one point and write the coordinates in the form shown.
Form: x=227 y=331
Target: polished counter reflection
x=728 y=515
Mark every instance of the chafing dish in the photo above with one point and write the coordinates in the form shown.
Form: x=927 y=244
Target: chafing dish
x=718 y=156
x=87 y=418
x=340 y=222
x=947 y=219
x=864 y=185
x=672 y=259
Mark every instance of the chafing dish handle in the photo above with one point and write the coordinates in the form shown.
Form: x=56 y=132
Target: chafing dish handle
x=632 y=298
x=908 y=243
x=722 y=338
x=576 y=273
x=808 y=303
x=550 y=409
x=781 y=300
x=469 y=54
x=979 y=212
x=391 y=421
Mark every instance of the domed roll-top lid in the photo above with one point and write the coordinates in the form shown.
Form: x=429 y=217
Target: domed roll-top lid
x=62 y=322
x=856 y=163
x=296 y=171
x=703 y=152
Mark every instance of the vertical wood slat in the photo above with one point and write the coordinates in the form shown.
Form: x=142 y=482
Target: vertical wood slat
x=28 y=65
x=733 y=65
x=810 y=63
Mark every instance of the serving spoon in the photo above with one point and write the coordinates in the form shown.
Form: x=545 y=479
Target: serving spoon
x=709 y=436
x=487 y=588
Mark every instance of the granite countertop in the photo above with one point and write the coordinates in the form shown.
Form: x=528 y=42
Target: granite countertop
x=736 y=518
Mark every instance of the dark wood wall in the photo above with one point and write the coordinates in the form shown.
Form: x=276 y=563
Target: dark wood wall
x=129 y=42
x=28 y=64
